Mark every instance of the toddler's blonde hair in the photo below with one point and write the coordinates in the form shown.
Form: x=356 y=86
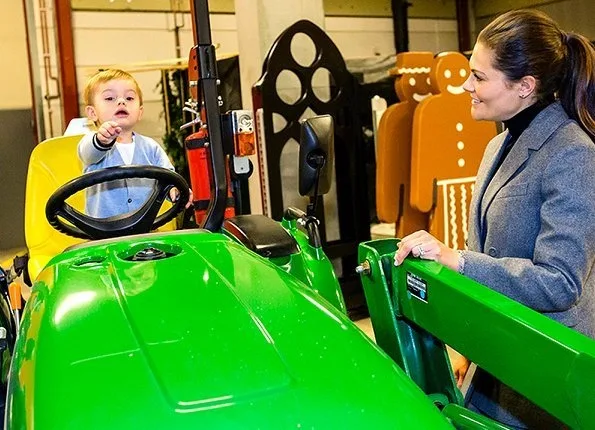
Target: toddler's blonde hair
x=106 y=76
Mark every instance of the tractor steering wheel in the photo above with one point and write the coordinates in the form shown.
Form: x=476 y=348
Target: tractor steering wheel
x=143 y=220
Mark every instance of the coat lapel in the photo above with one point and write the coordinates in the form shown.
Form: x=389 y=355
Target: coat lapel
x=489 y=183
x=519 y=153
x=484 y=173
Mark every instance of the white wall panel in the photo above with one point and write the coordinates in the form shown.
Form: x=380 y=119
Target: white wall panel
x=129 y=38
x=15 y=92
x=361 y=37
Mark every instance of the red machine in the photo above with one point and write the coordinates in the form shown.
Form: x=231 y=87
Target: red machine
x=237 y=133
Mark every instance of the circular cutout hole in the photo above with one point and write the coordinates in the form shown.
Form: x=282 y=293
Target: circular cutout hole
x=321 y=84
x=303 y=49
x=289 y=87
x=279 y=122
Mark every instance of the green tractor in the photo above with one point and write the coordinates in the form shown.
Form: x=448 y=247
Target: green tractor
x=242 y=326
x=241 y=323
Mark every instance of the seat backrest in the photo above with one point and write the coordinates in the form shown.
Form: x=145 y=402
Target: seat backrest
x=53 y=163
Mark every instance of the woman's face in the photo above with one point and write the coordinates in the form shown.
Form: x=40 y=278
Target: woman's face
x=493 y=96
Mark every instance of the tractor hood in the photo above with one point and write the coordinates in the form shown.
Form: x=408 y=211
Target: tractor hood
x=190 y=329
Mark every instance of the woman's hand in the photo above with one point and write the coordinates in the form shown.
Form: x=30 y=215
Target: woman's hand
x=423 y=245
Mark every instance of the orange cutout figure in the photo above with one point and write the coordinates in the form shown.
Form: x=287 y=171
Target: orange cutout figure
x=394 y=144
x=447 y=146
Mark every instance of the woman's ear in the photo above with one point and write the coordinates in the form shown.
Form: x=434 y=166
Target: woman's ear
x=91 y=114
x=527 y=86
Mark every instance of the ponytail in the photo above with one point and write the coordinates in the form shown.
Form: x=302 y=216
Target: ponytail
x=529 y=43
x=577 y=87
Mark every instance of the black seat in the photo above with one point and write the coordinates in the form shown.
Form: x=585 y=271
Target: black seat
x=262 y=235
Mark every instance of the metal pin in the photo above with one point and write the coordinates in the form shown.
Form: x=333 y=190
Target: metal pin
x=363 y=269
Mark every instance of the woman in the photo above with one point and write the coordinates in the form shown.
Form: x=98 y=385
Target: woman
x=532 y=217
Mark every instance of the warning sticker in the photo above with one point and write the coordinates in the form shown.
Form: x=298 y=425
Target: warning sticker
x=417 y=287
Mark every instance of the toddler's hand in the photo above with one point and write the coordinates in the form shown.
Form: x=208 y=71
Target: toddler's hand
x=174 y=194
x=190 y=199
x=108 y=132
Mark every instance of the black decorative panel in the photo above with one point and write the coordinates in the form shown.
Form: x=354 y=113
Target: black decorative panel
x=341 y=102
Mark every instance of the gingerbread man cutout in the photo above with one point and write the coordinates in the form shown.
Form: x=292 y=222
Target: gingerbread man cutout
x=394 y=144
x=447 y=146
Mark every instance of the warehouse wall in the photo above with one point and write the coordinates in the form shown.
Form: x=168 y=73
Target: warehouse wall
x=16 y=139
x=129 y=38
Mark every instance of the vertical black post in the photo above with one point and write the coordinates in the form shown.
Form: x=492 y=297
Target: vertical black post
x=208 y=78
x=464 y=32
x=400 y=26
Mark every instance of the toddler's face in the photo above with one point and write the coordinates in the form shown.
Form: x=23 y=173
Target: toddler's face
x=116 y=100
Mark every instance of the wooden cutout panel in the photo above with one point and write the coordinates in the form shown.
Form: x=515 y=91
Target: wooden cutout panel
x=447 y=143
x=394 y=144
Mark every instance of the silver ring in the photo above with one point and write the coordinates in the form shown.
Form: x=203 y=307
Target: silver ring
x=420 y=251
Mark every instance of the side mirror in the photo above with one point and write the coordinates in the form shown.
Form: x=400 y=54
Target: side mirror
x=316 y=155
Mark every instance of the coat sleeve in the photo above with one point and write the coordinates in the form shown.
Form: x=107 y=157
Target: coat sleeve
x=564 y=253
x=90 y=151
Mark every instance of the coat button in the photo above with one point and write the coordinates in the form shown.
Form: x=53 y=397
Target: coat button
x=129 y=200
x=492 y=252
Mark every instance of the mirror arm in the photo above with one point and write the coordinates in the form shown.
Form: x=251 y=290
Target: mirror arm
x=309 y=222
x=311 y=208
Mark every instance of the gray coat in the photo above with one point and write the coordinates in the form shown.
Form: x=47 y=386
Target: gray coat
x=532 y=223
x=532 y=238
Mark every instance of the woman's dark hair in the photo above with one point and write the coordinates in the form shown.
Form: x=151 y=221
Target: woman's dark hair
x=530 y=43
